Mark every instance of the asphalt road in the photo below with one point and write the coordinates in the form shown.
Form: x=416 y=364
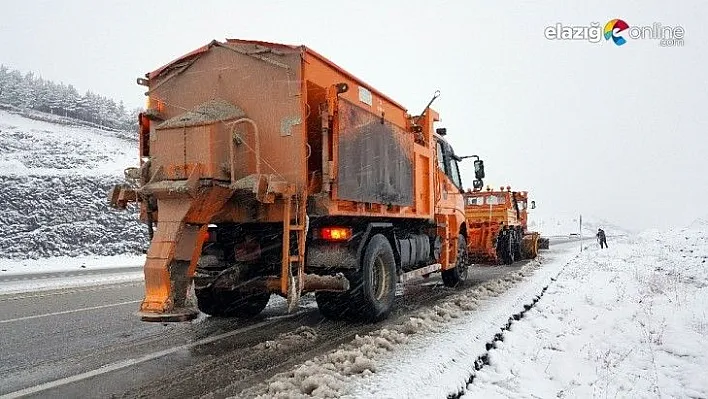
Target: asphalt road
x=88 y=342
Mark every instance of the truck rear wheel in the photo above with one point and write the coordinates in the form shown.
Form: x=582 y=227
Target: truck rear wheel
x=223 y=303
x=373 y=286
x=458 y=274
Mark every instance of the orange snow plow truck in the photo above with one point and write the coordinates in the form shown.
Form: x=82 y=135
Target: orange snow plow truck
x=497 y=226
x=267 y=169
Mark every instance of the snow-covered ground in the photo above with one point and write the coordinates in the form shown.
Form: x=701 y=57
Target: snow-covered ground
x=629 y=321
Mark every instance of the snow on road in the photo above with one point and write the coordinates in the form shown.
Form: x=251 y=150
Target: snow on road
x=57 y=283
x=30 y=275
x=438 y=364
x=629 y=321
x=404 y=357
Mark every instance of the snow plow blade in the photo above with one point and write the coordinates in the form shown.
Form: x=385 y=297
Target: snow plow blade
x=529 y=246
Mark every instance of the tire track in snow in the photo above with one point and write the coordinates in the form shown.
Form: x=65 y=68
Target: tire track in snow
x=483 y=359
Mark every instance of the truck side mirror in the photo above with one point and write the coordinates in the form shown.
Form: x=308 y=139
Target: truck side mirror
x=479 y=169
x=533 y=204
x=477 y=184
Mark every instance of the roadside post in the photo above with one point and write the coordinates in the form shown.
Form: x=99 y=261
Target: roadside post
x=581 y=232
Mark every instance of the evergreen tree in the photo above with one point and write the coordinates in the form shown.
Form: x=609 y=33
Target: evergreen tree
x=3 y=78
x=70 y=101
x=11 y=90
x=28 y=92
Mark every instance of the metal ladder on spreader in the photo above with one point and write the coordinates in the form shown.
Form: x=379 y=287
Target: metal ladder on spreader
x=293 y=265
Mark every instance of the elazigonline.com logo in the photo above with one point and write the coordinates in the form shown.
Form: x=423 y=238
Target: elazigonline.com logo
x=616 y=25
x=618 y=31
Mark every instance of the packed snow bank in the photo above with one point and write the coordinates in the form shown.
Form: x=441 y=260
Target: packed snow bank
x=438 y=364
x=54 y=181
x=46 y=284
x=628 y=321
x=379 y=364
x=10 y=267
x=18 y=276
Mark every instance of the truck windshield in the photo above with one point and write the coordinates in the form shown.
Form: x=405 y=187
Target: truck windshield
x=455 y=173
x=441 y=159
x=495 y=200
x=472 y=201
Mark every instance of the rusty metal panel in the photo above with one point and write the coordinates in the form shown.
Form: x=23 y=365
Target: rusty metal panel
x=265 y=85
x=375 y=158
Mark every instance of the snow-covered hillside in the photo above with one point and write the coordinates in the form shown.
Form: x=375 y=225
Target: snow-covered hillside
x=700 y=223
x=563 y=224
x=54 y=181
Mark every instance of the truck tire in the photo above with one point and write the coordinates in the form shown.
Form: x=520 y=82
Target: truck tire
x=373 y=286
x=458 y=274
x=518 y=236
x=222 y=303
x=509 y=249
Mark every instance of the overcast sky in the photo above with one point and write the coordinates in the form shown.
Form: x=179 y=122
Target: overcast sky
x=618 y=132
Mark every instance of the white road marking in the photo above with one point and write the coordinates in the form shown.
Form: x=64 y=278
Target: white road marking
x=127 y=363
x=67 y=312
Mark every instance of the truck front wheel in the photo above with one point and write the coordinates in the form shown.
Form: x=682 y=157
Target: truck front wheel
x=458 y=274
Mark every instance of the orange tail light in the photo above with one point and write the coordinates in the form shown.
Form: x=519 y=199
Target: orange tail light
x=335 y=233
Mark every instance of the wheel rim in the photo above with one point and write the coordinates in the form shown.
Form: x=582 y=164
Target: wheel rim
x=462 y=261
x=379 y=278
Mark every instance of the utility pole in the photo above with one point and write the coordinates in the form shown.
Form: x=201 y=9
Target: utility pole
x=581 y=232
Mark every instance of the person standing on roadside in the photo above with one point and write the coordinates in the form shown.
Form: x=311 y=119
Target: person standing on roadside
x=601 y=238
